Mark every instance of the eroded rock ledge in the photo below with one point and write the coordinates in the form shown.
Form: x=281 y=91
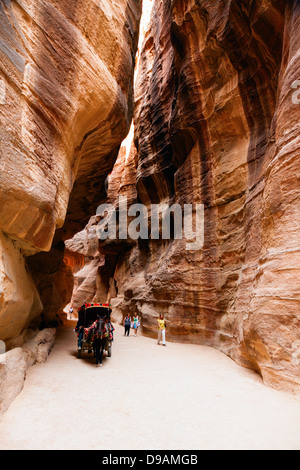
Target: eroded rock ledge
x=32 y=347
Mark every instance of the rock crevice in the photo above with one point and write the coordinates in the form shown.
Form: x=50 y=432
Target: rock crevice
x=215 y=124
x=67 y=71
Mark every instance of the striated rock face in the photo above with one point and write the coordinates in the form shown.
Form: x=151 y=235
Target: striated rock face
x=66 y=76
x=215 y=123
x=82 y=254
x=220 y=128
x=94 y=263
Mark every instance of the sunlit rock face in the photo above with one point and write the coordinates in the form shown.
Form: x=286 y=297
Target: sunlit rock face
x=20 y=301
x=31 y=347
x=66 y=88
x=216 y=123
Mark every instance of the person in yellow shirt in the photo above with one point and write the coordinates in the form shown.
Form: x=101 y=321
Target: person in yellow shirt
x=161 y=330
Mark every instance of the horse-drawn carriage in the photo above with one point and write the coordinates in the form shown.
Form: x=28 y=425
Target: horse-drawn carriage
x=95 y=331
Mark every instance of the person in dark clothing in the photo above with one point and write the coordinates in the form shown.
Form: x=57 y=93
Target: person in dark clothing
x=127 y=324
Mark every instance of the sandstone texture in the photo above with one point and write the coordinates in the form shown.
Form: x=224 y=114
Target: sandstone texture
x=93 y=262
x=220 y=78
x=82 y=254
x=32 y=347
x=215 y=124
x=66 y=103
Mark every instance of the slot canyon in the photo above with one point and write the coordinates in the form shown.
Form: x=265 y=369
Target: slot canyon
x=174 y=102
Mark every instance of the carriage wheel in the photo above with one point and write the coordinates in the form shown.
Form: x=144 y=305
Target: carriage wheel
x=79 y=353
x=109 y=352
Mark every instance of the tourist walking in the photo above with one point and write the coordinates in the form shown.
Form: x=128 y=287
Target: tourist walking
x=127 y=325
x=161 y=330
x=136 y=324
x=71 y=313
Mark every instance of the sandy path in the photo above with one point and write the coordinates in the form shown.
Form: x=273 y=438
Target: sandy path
x=182 y=397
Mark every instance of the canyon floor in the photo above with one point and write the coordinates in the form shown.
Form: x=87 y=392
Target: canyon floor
x=182 y=397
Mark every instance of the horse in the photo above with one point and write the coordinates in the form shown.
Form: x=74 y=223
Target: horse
x=100 y=338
